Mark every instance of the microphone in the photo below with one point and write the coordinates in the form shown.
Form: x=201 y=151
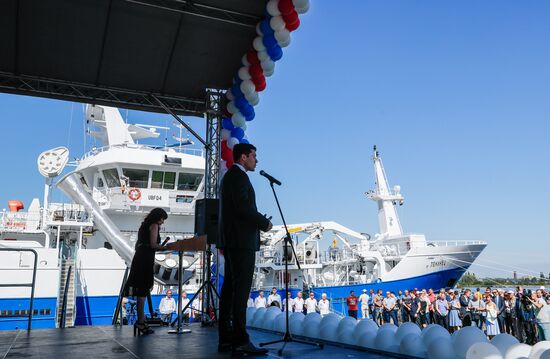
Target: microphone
x=270 y=178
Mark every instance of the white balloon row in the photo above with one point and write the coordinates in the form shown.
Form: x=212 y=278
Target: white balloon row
x=433 y=342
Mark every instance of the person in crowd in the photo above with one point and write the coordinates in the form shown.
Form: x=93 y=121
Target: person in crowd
x=394 y=309
x=167 y=307
x=491 y=322
x=298 y=303
x=423 y=310
x=510 y=313
x=415 y=305
x=543 y=319
x=477 y=310
x=385 y=310
x=431 y=306
x=240 y=226
x=141 y=277
x=441 y=310
x=324 y=305
x=520 y=332
x=260 y=301
x=250 y=301
x=455 y=323
x=187 y=312
x=364 y=299
x=498 y=298
x=538 y=304
x=406 y=307
x=464 y=300
x=311 y=303
x=196 y=308
x=274 y=297
x=351 y=302
x=290 y=302
x=399 y=305
x=371 y=303
x=378 y=307
x=528 y=318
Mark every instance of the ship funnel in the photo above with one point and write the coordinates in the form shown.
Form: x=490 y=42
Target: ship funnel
x=72 y=186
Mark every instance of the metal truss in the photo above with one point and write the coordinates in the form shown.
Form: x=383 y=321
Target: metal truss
x=214 y=103
x=71 y=91
x=194 y=8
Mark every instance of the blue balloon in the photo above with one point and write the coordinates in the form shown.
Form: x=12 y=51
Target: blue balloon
x=269 y=41
x=251 y=115
x=236 y=90
x=227 y=124
x=266 y=28
x=241 y=103
x=238 y=133
x=244 y=140
x=237 y=80
x=275 y=52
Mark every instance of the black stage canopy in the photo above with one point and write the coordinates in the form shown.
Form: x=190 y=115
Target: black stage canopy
x=139 y=54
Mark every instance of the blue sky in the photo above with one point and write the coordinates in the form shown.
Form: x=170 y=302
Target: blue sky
x=455 y=95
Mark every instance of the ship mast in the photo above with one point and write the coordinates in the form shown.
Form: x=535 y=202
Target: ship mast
x=388 y=220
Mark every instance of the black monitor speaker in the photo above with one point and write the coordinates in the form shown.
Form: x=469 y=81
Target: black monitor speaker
x=207 y=218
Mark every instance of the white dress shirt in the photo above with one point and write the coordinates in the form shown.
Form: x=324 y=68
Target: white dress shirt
x=167 y=305
x=324 y=306
x=274 y=298
x=298 y=304
x=311 y=305
x=260 y=302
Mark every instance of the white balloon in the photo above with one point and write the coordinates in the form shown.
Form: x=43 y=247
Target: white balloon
x=249 y=312
x=366 y=340
x=406 y=329
x=300 y=3
x=269 y=317
x=244 y=74
x=518 y=351
x=330 y=318
x=483 y=351
x=267 y=65
x=253 y=98
x=464 y=338
x=504 y=341
x=364 y=326
x=347 y=322
x=244 y=60
x=258 y=30
x=282 y=35
x=248 y=87
x=277 y=23
x=441 y=349
x=310 y=326
x=385 y=338
x=259 y=314
x=538 y=349
x=346 y=336
x=280 y=323
x=273 y=7
x=284 y=43
x=225 y=136
x=295 y=323
x=268 y=73
x=545 y=354
x=231 y=108
x=412 y=344
x=263 y=55
x=238 y=119
x=302 y=10
x=231 y=143
x=258 y=44
x=328 y=332
x=434 y=333
x=389 y=326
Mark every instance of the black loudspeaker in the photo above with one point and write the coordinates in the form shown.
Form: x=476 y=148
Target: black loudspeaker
x=207 y=218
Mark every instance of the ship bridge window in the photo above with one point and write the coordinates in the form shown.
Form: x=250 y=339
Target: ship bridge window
x=111 y=177
x=189 y=181
x=136 y=178
x=166 y=180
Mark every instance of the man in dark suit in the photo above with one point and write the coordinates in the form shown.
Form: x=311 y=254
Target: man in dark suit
x=499 y=302
x=240 y=227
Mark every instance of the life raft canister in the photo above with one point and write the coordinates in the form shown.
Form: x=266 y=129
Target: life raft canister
x=134 y=194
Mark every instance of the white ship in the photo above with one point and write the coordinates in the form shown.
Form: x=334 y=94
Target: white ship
x=335 y=259
x=112 y=187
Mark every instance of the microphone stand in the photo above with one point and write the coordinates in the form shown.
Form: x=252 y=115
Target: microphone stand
x=287 y=338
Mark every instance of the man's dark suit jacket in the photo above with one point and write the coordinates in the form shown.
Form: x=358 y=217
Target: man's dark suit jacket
x=240 y=222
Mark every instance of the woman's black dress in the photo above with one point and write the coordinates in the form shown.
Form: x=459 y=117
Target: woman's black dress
x=140 y=280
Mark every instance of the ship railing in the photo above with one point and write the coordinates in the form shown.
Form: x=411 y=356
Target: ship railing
x=188 y=151
x=68 y=213
x=453 y=243
x=31 y=284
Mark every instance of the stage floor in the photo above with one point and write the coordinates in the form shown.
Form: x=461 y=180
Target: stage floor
x=114 y=342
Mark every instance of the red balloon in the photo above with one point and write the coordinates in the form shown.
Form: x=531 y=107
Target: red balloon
x=293 y=26
x=225 y=112
x=260 y=86
x=258 y=79
x=224 y=146
x=255 y=71
x=229 y=162
x=286 y=6
x=252 y=57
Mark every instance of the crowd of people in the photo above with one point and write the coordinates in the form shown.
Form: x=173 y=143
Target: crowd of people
x=522 y=313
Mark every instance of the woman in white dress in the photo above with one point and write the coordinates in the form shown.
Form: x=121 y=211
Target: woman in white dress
x=491 y=320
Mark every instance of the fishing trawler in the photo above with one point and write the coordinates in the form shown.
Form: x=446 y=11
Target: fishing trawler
x=83 y=248
x=334 y=259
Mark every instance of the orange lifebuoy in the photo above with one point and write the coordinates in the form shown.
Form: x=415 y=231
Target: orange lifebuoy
x=134 y=194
